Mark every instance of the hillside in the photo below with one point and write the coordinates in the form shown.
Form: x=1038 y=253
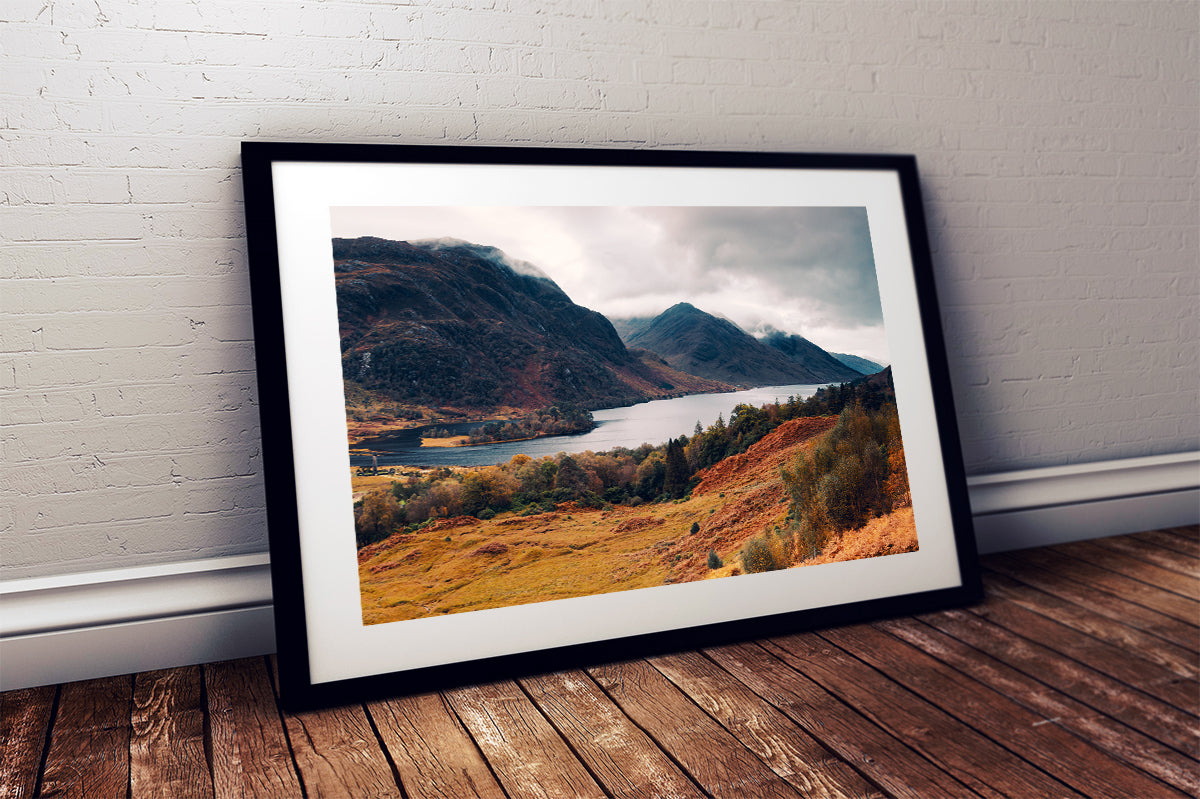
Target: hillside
x=861 y=365
x=464 y=563
x=699 y=343
x=449 y=324
x=804 y=352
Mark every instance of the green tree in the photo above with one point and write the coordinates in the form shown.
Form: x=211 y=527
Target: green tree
x=650 y=475
x=377 y=517
x=848 y=477
x=676 y=473
x=487 y=488
x=715 y=444
x=574 y=478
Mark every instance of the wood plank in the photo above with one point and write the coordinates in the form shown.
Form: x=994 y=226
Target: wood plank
x=1151 y=678
x=1185 y=540
x=1017 y=729
x=24 y=722
x=336 y=750
x=1165 y=558
x=888 y=762
x=337 y=754
x=166 y=751
x=525 y=752
x=250 y=754
x=1163 y=579
x=791 y=752
x=1156 y=719
x=1124 y=586
x=431 y=750
x=983 y=765
x=89 y=740
x=721 y=765
x=1106 y=603
x=1130 y=639
x=619 y=755
x=1054 y=706
x=1190 y=532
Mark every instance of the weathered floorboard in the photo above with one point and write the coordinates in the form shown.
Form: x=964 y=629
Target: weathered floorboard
x=1105 y=658
x=338 y=755
x=885 y=760
x=1130 y=639
x=1054 y=706
x=713 y=757
x=1166 y=558
x=1152 y=574
x=166 y=750
x=527 y=755
x=791 y=752
x=1156 y=719
x=619 y=754
x=1052 y=749
x=1180 y=539
x=89 y=744
x=431 y=750
x=250 y=753
x=1103 y=603
x=983 y=765
x=1120 y=585
x=24 y=722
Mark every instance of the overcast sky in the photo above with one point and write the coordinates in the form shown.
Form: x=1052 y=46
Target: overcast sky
x=800 y=270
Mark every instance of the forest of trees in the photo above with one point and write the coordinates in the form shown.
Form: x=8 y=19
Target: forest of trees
x=620 y=476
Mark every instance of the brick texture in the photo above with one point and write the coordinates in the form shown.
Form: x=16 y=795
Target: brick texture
x=1057 y=143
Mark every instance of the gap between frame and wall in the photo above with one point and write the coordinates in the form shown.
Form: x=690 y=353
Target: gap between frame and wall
x=81 y=626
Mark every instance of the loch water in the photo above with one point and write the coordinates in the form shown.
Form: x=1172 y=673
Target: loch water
x=629 y=426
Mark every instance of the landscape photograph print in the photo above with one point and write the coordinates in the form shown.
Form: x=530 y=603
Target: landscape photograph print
x=554 y=402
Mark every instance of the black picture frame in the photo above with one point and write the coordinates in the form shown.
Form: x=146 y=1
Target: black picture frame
x=289 y=187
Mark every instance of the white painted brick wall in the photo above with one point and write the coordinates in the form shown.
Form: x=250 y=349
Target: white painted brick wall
x=1057 y=142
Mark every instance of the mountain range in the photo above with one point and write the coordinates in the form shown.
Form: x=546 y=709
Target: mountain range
x=442 y=323
x=699 y=343
x=451 y=326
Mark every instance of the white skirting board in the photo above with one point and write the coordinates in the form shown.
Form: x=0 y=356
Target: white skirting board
x=80 y=626
x=1040 y=507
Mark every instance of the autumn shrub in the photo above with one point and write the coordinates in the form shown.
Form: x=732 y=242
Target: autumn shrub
x=759 y=556
x=810 y=540
x=897 y=480
x=783 y=547
x=714 y=560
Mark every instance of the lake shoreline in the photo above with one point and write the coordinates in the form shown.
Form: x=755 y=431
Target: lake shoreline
x=629 y=426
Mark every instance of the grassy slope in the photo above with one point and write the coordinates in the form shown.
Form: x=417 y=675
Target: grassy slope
x=465 y=564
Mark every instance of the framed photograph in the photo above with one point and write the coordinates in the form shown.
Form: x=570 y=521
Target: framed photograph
x=524 y=409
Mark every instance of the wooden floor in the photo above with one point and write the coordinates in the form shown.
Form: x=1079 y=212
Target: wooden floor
x=1076 y=677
